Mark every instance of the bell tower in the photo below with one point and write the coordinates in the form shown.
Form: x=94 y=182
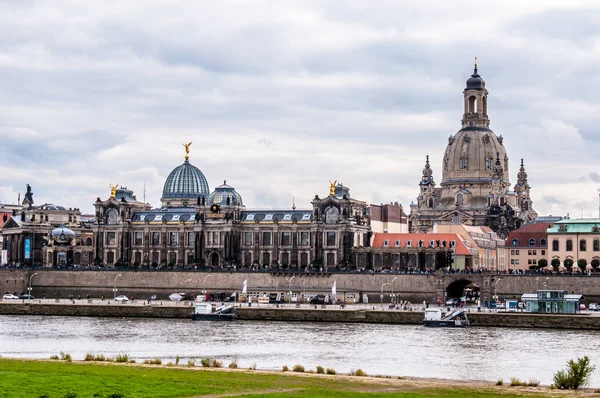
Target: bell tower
x=475 y=114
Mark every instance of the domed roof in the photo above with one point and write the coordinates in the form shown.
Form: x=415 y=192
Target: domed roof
x=185 y=181
x=475 y=82
x=62 y=232
x=222 y=192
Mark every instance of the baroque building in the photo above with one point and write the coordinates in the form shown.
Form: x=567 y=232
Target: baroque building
x=475 y=187
x=195 y=228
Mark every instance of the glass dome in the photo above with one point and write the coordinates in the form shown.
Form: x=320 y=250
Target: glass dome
x=222 y=192
x=185 y=181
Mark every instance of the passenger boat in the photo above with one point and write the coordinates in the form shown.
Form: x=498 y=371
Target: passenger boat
x=456 y=319
x=206 y=312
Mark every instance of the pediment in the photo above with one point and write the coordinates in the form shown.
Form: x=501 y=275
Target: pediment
x=11 y=223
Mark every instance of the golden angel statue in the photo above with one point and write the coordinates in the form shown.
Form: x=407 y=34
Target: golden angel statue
x=332 y=187
x=187 y=150
x=113 y=190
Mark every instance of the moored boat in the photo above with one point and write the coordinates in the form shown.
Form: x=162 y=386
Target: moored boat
x=206 y=312
x=456 y=319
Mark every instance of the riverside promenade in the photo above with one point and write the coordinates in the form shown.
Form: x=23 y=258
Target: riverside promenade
x=359 y=313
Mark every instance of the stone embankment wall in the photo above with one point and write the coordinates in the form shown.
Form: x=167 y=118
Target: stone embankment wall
x=586 y=322
x=415 y=288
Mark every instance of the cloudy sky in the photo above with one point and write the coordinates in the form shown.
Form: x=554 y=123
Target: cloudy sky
x=280 y=97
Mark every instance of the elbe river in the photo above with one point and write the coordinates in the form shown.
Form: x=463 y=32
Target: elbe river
x=394 y=350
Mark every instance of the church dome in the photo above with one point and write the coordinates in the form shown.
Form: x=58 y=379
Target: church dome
x=222 y=192
x=475 y=82
x=62 y=233
x=185 y=182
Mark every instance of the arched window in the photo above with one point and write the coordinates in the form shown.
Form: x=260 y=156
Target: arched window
x=543 y=242
x=460 y=199
x=88 y=242
x=582 y=245
x=555 y=246
x=472 y=104
x=515 y=242
x=484 y=103
x=531 y=242
x=464 y=163
x=111 y=216
x=488 y=162
x=569 y=245
x=430 y=203
x=502 y=201
x=596 y=245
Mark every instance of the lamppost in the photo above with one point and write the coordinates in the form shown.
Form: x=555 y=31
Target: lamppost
x=303 y=290
x=115 y=288
x=204 y=285
x=290 y=289
x=495 y=284
x=381 y=295
x=393 y=280
x=29 y=288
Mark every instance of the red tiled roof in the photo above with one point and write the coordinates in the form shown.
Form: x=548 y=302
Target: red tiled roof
x=459 y=249
x=535 y=231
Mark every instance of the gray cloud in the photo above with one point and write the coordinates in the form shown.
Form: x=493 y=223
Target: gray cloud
x=280 y=98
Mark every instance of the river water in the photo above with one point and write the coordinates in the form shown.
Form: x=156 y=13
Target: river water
x=395 y=350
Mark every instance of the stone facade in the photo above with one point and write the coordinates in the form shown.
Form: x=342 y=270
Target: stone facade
x=475 y=186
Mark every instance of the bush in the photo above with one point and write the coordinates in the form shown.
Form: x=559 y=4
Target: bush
x=533 y=383
x=358 y=372
x=205 y=362
x=577 y=374
x=154 y=361
x=88 y=357
x=542 y=263
x=555 y=264
x=330 y=371
x=285 y=368
x=100 y=357
x=582 y=264
x=298 y=368
x=191 y=363
x=514 y=382
x=233 y=364
x=122 y=357
x=500 y=382
x=54 y=357
x=320 y=369
x=217 y=364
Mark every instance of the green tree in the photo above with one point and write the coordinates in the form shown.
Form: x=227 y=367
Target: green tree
x=555 y=264
x=568 y=263
x=542 y=263
x=582 y=264
x=595 y=264
x=577 y=374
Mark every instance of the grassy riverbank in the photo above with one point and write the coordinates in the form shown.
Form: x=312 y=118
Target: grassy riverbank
x=58 y=379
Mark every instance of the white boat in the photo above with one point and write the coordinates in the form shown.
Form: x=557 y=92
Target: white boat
x=177 y=296
x=206 y=312
x=456 y=319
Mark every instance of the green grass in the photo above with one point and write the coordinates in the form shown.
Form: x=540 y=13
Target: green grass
x=25 y=379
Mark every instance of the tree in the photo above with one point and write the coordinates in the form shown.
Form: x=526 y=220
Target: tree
x=595 y=264
x=555 y=264
x=582 y=264
x=568 y=263
x=542 y=263
x=577 y=374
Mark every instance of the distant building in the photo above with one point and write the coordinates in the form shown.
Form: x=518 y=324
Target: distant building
x=406 y=251
x=527 y=245
x=486 y=246
x=552 y=302
x=475 y=187
x=389 y=218
x=572 y=240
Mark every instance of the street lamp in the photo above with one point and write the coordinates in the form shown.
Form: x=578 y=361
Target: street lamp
x=290 y=289
x=115 y=288
x=204 y=285
x=393 y=280
x=381 y=295
x=29 y=288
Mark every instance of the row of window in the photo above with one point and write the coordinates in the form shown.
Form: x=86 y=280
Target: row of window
x=531 y=242
x=285 y=239
x=432 y=243
x=582 y=245
x=302 y=258
x=529 y=252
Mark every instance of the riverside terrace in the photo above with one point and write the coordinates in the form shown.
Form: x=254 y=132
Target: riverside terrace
x=414 y=287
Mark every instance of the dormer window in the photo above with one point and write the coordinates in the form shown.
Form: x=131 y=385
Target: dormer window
x=408 y=243
x=397 y=243
x=515 y=242
x=531 y=242
x=386 y=243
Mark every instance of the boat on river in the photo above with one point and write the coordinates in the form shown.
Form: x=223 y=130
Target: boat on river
x=434 y=317
x=206 y=312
